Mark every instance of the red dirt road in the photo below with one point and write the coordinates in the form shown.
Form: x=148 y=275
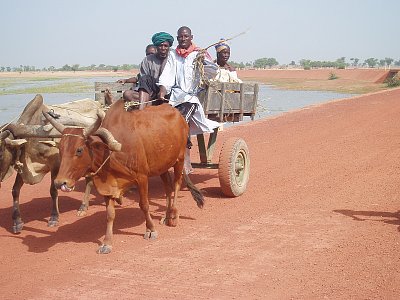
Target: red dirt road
x=319 y=220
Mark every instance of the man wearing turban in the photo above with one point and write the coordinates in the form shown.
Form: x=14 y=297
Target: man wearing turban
x=150 y=70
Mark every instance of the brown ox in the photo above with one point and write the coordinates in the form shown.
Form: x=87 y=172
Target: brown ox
x=151 y=141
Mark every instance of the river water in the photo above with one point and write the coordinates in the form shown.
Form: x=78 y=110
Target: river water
x=271 y=101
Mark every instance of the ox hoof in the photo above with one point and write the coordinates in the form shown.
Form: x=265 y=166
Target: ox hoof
x=53 y=222
x=17 y=227
x=171 y=219
x=104 y=249
x=150 y=235
x=82 y=211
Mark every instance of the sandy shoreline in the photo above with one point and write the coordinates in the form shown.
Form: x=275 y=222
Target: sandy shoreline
x=358 y=81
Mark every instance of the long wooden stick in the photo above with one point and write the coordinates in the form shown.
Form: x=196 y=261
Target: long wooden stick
x=228 y=39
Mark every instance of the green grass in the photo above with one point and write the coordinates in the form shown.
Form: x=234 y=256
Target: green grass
x=44 y=78
x=62 y=87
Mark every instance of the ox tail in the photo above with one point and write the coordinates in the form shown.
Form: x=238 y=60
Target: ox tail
x=196 y=193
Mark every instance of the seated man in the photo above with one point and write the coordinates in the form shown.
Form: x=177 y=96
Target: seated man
x=226 y=73
x=150 y=69
x=150 y=49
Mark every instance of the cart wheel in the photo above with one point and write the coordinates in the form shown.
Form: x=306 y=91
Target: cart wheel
x=234 y=167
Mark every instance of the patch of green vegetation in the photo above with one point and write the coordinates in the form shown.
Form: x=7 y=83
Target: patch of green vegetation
x=332 y=76
x=66 y=87
x=6 y=82
x=44 y=78
x=393 y=82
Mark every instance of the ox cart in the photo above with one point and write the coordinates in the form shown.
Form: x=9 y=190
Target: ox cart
x=222 y=102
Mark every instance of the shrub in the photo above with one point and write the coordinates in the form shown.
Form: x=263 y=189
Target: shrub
x=332 y=76
x=393 y=82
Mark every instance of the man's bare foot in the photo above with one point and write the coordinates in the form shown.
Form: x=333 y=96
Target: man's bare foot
x=108 y=97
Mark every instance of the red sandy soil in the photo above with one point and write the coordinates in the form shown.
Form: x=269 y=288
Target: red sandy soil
x=319 y=220
x=370 y=75
x=355 y=81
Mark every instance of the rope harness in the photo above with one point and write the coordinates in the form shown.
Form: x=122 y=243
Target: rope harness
x=130 y=105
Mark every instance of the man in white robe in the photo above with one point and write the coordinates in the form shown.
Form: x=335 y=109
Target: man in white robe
x=179 y=79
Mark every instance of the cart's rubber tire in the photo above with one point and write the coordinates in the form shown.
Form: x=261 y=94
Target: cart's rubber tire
x=234 y=167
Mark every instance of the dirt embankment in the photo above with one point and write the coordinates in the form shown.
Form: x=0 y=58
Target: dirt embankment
x=358 y=81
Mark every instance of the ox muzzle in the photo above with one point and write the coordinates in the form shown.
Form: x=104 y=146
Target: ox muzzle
x=65 y=185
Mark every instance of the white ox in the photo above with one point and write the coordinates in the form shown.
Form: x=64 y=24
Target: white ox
x=30 y=147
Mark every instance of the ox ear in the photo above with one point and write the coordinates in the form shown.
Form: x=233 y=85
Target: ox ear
x=95 y=142
x=15 y=143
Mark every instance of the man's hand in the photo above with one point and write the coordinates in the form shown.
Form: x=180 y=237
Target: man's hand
x=162 y=93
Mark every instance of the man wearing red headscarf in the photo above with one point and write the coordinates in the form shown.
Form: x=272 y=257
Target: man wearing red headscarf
x=179 y=79
x=182 y=82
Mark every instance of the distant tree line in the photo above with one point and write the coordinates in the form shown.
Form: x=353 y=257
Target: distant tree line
x=340 y=63
x=260 y=63
x=74 y=67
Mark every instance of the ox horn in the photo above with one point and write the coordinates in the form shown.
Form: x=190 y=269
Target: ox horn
x=30 y=109
x=26 y=131
x=60 y=127
x=93 y=128
x=107 y=137
x=4 y=135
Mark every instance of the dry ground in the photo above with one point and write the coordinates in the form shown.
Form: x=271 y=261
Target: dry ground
x=319 y=220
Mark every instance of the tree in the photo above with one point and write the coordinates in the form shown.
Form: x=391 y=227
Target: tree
x=264 y=62
x=305 y=63
x=388 y=61
x=371 y=62
x=260 y=63
x=75 y=67
x=355 y=62
x=341 y=60
x=272 y=62
x=66 y=68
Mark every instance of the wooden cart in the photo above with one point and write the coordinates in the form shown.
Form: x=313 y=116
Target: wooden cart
x=222 y=102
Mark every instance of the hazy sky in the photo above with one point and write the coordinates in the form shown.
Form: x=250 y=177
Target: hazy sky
x=45 y=33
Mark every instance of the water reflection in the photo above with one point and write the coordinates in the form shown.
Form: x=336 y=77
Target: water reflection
x=271 y=101
x=274 y=101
